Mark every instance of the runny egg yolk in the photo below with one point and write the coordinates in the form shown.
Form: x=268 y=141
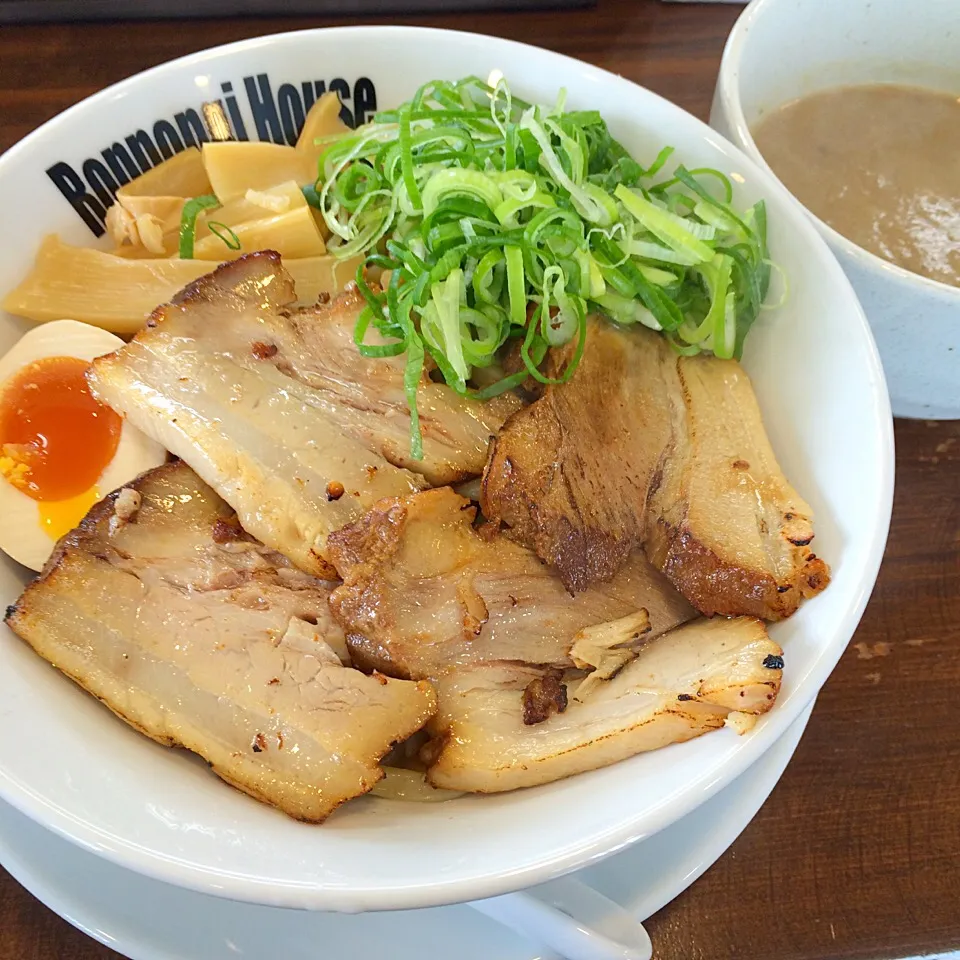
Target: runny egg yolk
x=56 y=439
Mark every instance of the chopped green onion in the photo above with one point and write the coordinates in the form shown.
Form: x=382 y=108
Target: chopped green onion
x=488 y=277
x=188 y=222
x=672 y=230
x=311 y=196
x=626 y=310
x=499 y=219
x=440 y=327
x=516 y=285
x=225 y=233
x=654 y=250
x=455 y=181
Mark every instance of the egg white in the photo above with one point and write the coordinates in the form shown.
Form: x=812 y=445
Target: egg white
x=21 y=535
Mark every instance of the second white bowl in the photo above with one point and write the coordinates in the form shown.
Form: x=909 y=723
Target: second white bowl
x=783 y=49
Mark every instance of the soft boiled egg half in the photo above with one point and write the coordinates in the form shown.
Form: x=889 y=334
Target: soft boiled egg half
x=61 y=450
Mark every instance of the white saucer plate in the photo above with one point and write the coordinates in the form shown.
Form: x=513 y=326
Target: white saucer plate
x=148 y=920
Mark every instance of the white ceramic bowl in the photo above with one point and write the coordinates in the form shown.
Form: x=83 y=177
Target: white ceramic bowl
x=71 y=765
x=782 y=49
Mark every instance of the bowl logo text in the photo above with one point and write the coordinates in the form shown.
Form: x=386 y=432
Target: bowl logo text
x=256 y=111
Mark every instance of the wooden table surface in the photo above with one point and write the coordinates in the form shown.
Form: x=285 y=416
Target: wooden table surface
x=857 y=852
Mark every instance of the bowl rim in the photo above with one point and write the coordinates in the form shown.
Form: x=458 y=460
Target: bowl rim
x=552 y=862
x=728 y=89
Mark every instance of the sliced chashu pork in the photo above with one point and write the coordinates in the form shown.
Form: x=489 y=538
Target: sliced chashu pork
x=722 y=520
x=534 y=684
x=276 y=409
x=686 y=683
x=643 y=447
x=425 y=593
x=196 y=635
x=569 y=474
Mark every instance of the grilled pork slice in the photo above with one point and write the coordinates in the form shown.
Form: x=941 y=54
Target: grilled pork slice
x=278 y=412
x=569 y=474
x=723 y=522
x=365 y=397
x=161 y=607
x=645 y=447
x=686 y=683
x=424 y=592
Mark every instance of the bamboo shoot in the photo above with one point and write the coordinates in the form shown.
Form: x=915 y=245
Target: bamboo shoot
x=323 y=120
x=234 y=167
x=291 y=234
x=119 y=293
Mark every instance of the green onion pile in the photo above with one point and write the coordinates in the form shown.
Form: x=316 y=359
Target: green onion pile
x=500 y=220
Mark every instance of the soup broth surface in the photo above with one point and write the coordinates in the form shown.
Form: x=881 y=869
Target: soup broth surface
x=880 y=164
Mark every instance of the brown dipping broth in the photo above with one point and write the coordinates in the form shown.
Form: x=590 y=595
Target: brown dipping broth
x=878 y=163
